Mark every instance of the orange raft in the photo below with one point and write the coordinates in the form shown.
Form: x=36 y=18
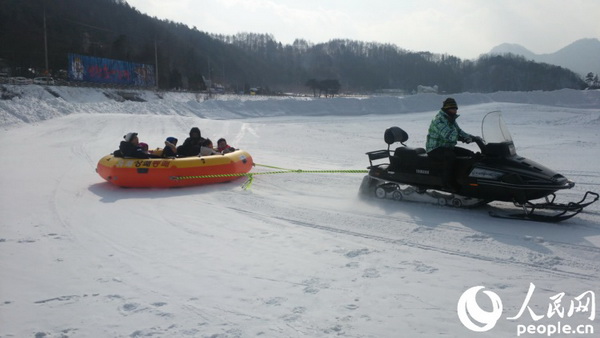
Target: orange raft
x=177 y=172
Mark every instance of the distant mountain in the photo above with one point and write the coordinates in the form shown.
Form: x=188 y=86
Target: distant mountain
x=512 y=48
x=185 y=57
x=581 y=56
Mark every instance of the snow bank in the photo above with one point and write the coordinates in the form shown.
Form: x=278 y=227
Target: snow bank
x=37 y=103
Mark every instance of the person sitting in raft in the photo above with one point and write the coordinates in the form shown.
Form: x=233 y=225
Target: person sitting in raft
x=144 y=147
x=191 y=145
x=170 y=149
x=130 y=147
x=207 y=148
x=223 y=147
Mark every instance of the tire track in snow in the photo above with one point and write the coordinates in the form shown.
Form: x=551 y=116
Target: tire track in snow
x=591 y=178
x=246 y=128
x=529 y=259
x=421 y=224
x=414 y=244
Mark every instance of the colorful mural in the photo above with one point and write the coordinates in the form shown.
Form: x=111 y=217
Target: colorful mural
x=101 y=70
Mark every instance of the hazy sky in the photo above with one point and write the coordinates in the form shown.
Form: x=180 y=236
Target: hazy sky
x=464 y=28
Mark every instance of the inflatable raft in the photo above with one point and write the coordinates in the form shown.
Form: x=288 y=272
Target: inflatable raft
x=176 y=172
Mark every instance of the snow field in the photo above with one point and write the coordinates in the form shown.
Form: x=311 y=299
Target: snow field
x=297 y=255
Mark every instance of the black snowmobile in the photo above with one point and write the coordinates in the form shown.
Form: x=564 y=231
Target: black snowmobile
x=497 y=173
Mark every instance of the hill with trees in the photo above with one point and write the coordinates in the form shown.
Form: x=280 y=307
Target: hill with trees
x=188 y=57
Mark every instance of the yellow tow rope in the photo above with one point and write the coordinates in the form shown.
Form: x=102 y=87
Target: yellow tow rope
x=248 y=184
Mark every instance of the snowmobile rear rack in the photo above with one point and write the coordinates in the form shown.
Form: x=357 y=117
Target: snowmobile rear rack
x=391 y=136
x=378 y=155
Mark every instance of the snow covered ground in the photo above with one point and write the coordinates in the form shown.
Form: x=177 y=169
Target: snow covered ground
x=298 y=255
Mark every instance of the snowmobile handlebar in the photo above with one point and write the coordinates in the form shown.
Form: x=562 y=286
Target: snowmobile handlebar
x=480 y=143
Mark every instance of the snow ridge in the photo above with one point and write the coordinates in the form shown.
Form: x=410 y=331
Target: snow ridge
x=38 y=103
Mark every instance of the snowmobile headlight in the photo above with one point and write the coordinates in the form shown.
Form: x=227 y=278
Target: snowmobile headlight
x=512 y=150
x=485 y=173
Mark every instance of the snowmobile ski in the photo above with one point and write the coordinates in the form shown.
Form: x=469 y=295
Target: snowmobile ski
x=571 y=206
x=530 y=215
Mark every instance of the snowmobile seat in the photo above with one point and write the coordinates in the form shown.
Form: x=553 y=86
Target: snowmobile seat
x=408 y=151
x=424 y=162
x=405 y=159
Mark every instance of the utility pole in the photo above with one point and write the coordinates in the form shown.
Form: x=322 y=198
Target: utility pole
x=156 y=63
x=209 y=84
x=45 y=42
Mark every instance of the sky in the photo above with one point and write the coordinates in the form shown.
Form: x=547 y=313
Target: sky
x=463 y=28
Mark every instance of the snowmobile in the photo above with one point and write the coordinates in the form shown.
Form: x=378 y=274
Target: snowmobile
x=497 y=173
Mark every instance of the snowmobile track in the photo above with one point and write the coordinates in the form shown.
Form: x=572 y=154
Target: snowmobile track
x=413 y=244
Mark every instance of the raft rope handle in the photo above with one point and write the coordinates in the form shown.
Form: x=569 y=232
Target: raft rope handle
x=248 y=184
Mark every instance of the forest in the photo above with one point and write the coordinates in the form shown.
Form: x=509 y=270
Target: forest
x=37 y=35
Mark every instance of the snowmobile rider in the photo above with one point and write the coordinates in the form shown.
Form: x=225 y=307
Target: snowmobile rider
x=442 y=137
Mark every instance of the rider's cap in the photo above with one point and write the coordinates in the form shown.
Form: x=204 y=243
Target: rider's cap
x=129 y=136
x=449 y=103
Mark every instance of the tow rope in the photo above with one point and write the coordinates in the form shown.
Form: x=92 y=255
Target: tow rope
x=248 y=184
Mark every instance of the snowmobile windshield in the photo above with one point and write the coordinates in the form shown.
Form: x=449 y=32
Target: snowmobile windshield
x=493 y=129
